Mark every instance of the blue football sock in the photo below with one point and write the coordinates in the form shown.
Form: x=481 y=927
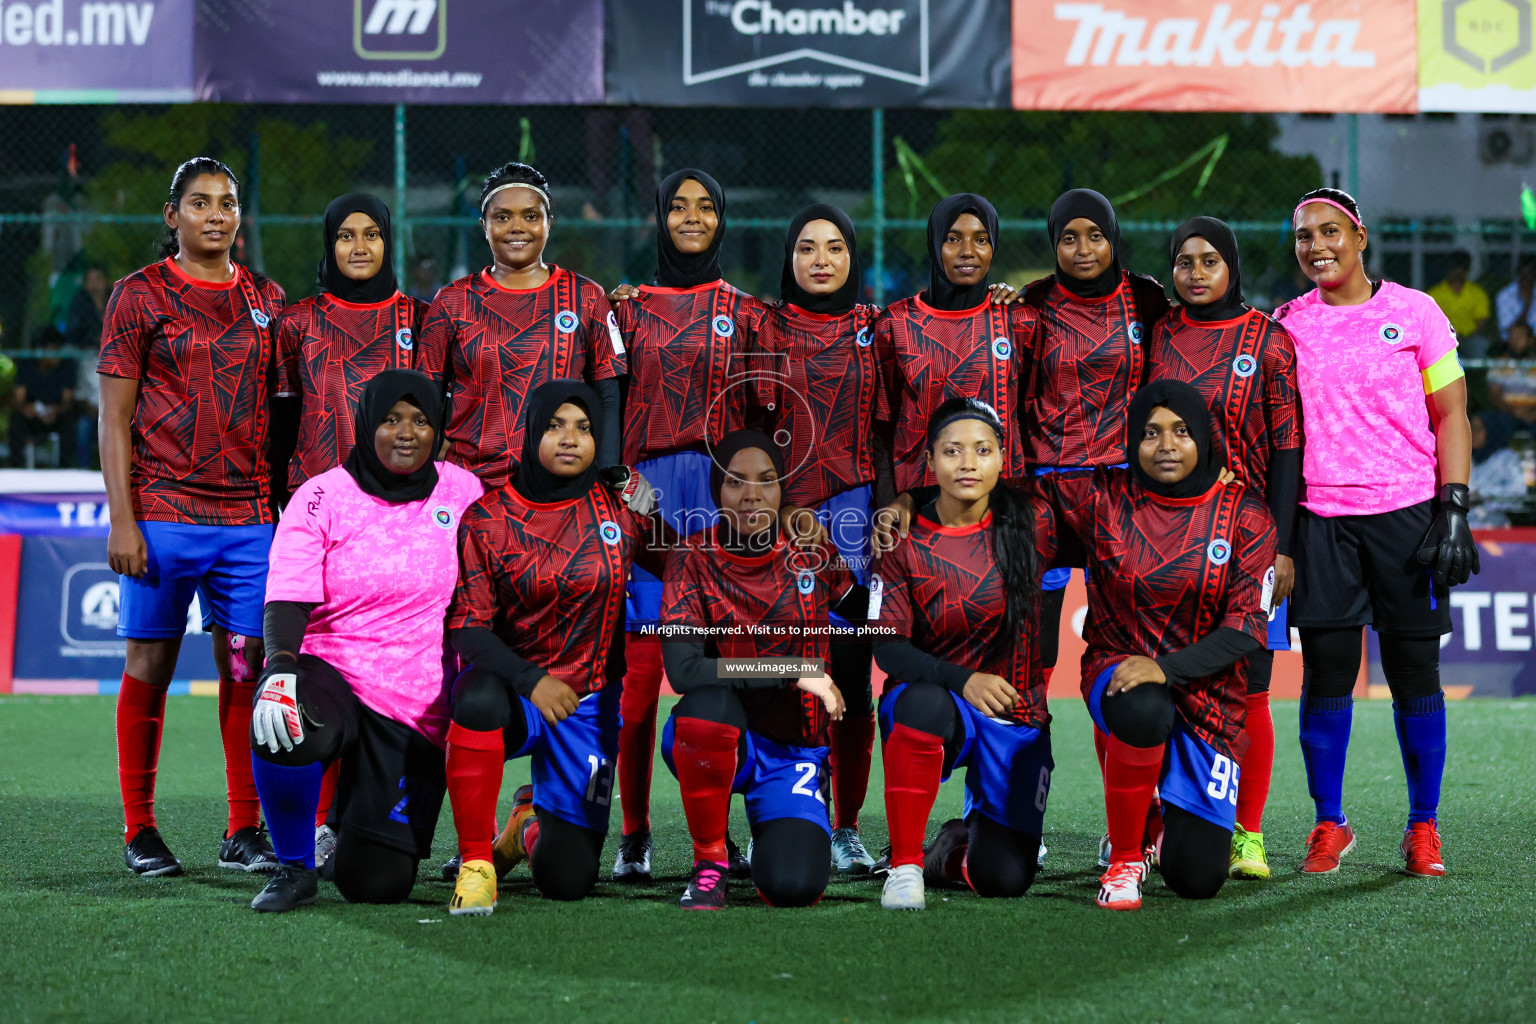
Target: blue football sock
x=1421 y=736
x=1325 y=723
x=289 y=797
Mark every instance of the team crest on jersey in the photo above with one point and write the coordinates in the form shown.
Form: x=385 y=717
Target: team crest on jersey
x=1390 y=333
x=1219 y=551
x=1134 y=330
x=1245 y=365
x=405 y=339
x=443 y=516
x=805 y=582
x=565 y=321
x=1001 y=348
x=862 y=339
x=261 y=318
x=723 y=326
x=609 y=531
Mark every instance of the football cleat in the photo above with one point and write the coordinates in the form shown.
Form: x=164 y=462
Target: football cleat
x=945 y=853
x=1105 y=849
x=1040 y=857
x=475 y=890
x=291 y=885
x=508 y=851
x=882 y=863
x=848 y=854
x=706 y=889
x=450 y=868
x=1326 y=844
x=904 y=889
x=147 y=855
x=248 y=849
x=325 y=849
x=1120 y=886
x=633 y=864
x=1248 y=859
x=1421 y=850
x=741 y=863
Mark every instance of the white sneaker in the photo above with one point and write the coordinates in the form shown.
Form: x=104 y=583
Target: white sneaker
x=1104 y=851
x=1040 y=857
x=1120 y=888
x=904 y=888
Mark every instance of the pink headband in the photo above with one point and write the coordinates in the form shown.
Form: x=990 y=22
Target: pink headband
x=1329 y=202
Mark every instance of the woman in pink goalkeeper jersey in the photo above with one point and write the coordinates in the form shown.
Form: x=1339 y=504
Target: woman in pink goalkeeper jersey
x=1382 y=533
x=363 y=566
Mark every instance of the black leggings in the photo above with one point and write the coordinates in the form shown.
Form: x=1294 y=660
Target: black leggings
x=791 y=857
x=849 y=666
x=1331 y=663
x=1261 y=666
x=1001 y=861
x=1049 y=632
x=1195 y=853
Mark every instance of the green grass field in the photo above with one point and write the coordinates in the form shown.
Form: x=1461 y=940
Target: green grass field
x=82 y=939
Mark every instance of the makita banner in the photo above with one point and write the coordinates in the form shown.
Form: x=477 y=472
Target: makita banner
x=405 y=51
x=80 y=51
x=1257 y=55
x=812 y=53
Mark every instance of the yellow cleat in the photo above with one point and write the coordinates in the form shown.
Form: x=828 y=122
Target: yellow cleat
x=475 y=890
x=1248 y=859
x=507 y=851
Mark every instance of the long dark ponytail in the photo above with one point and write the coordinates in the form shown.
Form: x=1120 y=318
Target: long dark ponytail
x=184 y=176
x=1012 y=530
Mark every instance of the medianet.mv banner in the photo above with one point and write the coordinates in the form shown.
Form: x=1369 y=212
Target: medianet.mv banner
x=95 y=51
x=400 y=51
x=809 y=53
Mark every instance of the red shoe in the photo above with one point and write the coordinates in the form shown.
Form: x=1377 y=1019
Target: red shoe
x=1421 y=849
x=1327 y=843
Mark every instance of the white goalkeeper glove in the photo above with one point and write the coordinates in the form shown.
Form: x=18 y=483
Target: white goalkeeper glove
x=275 y=719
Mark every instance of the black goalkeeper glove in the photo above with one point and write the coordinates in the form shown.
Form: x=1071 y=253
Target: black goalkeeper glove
x=1448 y=547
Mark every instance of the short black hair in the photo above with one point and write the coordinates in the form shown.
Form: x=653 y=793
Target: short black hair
x=510 y=173
x=1336 y=195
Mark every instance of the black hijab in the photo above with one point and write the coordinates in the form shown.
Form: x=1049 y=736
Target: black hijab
x=1086 y=203
x=676 y=269
x=363 y=463
x=1185 y=402
x=833 y=303
x=330 y=279
x=531 y=479
x=1221 y=238
x=721 y=455
x=942 y=292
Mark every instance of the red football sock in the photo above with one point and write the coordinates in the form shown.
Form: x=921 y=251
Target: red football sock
x=475 y=761
x=236 y=700
x=1100 y=748
x=1257 y=765
x=637 y=736
x=705 y=756
x=853 y=747
x=1130 y=778
x=913 y=760
x=140 y=718
x=327 y=792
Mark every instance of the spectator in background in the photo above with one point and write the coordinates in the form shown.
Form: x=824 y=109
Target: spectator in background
x=424 y=281
x=82 y=322
x=1514 y=299
x=1464 y=303
x=1513 y=387
x=45 y=401
x=1496 y=470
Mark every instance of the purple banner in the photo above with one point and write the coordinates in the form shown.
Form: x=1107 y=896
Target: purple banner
x=89 y=50
x=400 y=51
x=1492 y=648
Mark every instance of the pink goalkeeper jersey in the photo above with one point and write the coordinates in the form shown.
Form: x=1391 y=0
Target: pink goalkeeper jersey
x=1370 y=445
x=382 y=576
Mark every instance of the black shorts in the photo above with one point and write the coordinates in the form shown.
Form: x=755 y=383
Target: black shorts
x=392 y=780
x=1363 y=571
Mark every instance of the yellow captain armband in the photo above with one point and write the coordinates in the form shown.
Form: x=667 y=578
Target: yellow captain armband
x=1446 y=371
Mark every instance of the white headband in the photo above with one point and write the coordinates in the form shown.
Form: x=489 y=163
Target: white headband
x=513 y=184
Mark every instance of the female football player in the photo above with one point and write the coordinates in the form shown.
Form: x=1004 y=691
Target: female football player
x=363 y=566
x=1382 y=534
x=1244 y=366
x=743 y=591
x=185 y=360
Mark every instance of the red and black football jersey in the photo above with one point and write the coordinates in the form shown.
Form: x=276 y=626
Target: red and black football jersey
x=327 y=352
x=491 y=346
x=548 y=579
x=1166 y=572
x=1089 y=359
x=1245 y=369
x=940 y=587
x=822 y=396
x=927 y=356
x=689 y=366
x=773 y=605
x=203 y=356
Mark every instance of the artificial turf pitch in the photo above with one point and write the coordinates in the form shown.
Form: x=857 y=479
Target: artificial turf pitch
x=83 y=939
